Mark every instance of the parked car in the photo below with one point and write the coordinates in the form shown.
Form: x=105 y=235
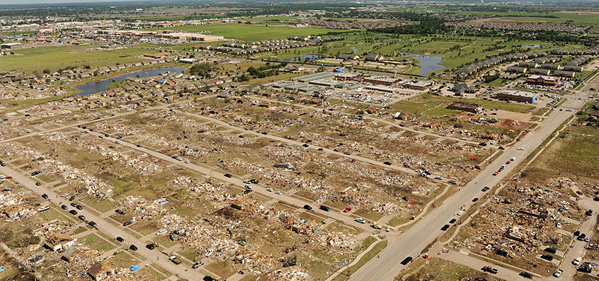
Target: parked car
x=347 y=209
x=526 y=275
x=120 y=239
x=490 y=269
x=445 y=227
x=387 y=163
x=127 y=223
x=151 y=246
x=558 y=273
x=197 y=264
x=81 y=217
x=64 y=207
x=73 y=212
x=308 y=207
x=485 y=188
x=325 y=208
x=133 y=247
x=92 y=224
x=406 y=260
x=360 y=220
x=228 y=175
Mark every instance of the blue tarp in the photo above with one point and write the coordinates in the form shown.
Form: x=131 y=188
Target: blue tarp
x=134 y=268
x=338 y=69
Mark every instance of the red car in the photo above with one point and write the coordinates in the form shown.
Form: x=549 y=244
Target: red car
x=347 y=209
x=9 y=178
x=490 y=269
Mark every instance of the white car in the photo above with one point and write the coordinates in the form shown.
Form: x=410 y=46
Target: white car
x=520 y=148
x=160 y=232
x=558 y=273
x=360 y=220
x=576 y=261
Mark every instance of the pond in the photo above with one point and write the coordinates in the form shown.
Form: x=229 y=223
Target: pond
x=429 y=64
x=100 y=86
x=303 y=58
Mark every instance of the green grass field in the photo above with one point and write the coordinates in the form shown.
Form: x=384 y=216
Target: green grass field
x=54 y=58
x=251 y=32
x=574 y=154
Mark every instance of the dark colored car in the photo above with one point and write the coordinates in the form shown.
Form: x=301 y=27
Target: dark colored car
x=81 y=217
x=73 y=212
x=526 y=275
x=120 y=239
x=138 y=145
x=325 y=208
x=305 y=145
x=452 y=220
x=92 y=223
x=485 y=188
x=71 y=198
x=208 y=278
x=133 y=247
x=406 y=260
x=387 y=163
x=127 y=223
x=45 y=196
x=475 y=199
x=445 y=227
x=64 y=207
x=321 y=149
x=38 y=183
x=589 y=213
x=228 y=175
x=308 y=207
x=151 y=246
x=551 y=250
x=79 y=207
x=547 y=257
x=120 y=212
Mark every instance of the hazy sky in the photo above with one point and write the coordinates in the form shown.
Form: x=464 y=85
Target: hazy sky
x=49 y=1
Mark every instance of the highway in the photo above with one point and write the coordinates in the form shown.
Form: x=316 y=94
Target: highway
x=425 y=232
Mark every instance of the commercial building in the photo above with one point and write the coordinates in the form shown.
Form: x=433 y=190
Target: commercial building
x=518 y=96
x=544 y=80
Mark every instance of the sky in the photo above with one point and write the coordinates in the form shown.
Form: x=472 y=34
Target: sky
x=2 y=2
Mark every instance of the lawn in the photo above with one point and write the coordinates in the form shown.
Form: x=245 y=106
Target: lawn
x=54 y=58
x=574 y=154
x=224 y=268
x=95 y=242
x=251 y=32
x=439 y=269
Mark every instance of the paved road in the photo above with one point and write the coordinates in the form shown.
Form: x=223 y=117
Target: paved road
x=238 y=182
x=426 y=231
x=477 y=264
x=577 y=248
x=107 y=228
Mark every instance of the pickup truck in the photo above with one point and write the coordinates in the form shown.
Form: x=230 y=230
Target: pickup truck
x=175 y=259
